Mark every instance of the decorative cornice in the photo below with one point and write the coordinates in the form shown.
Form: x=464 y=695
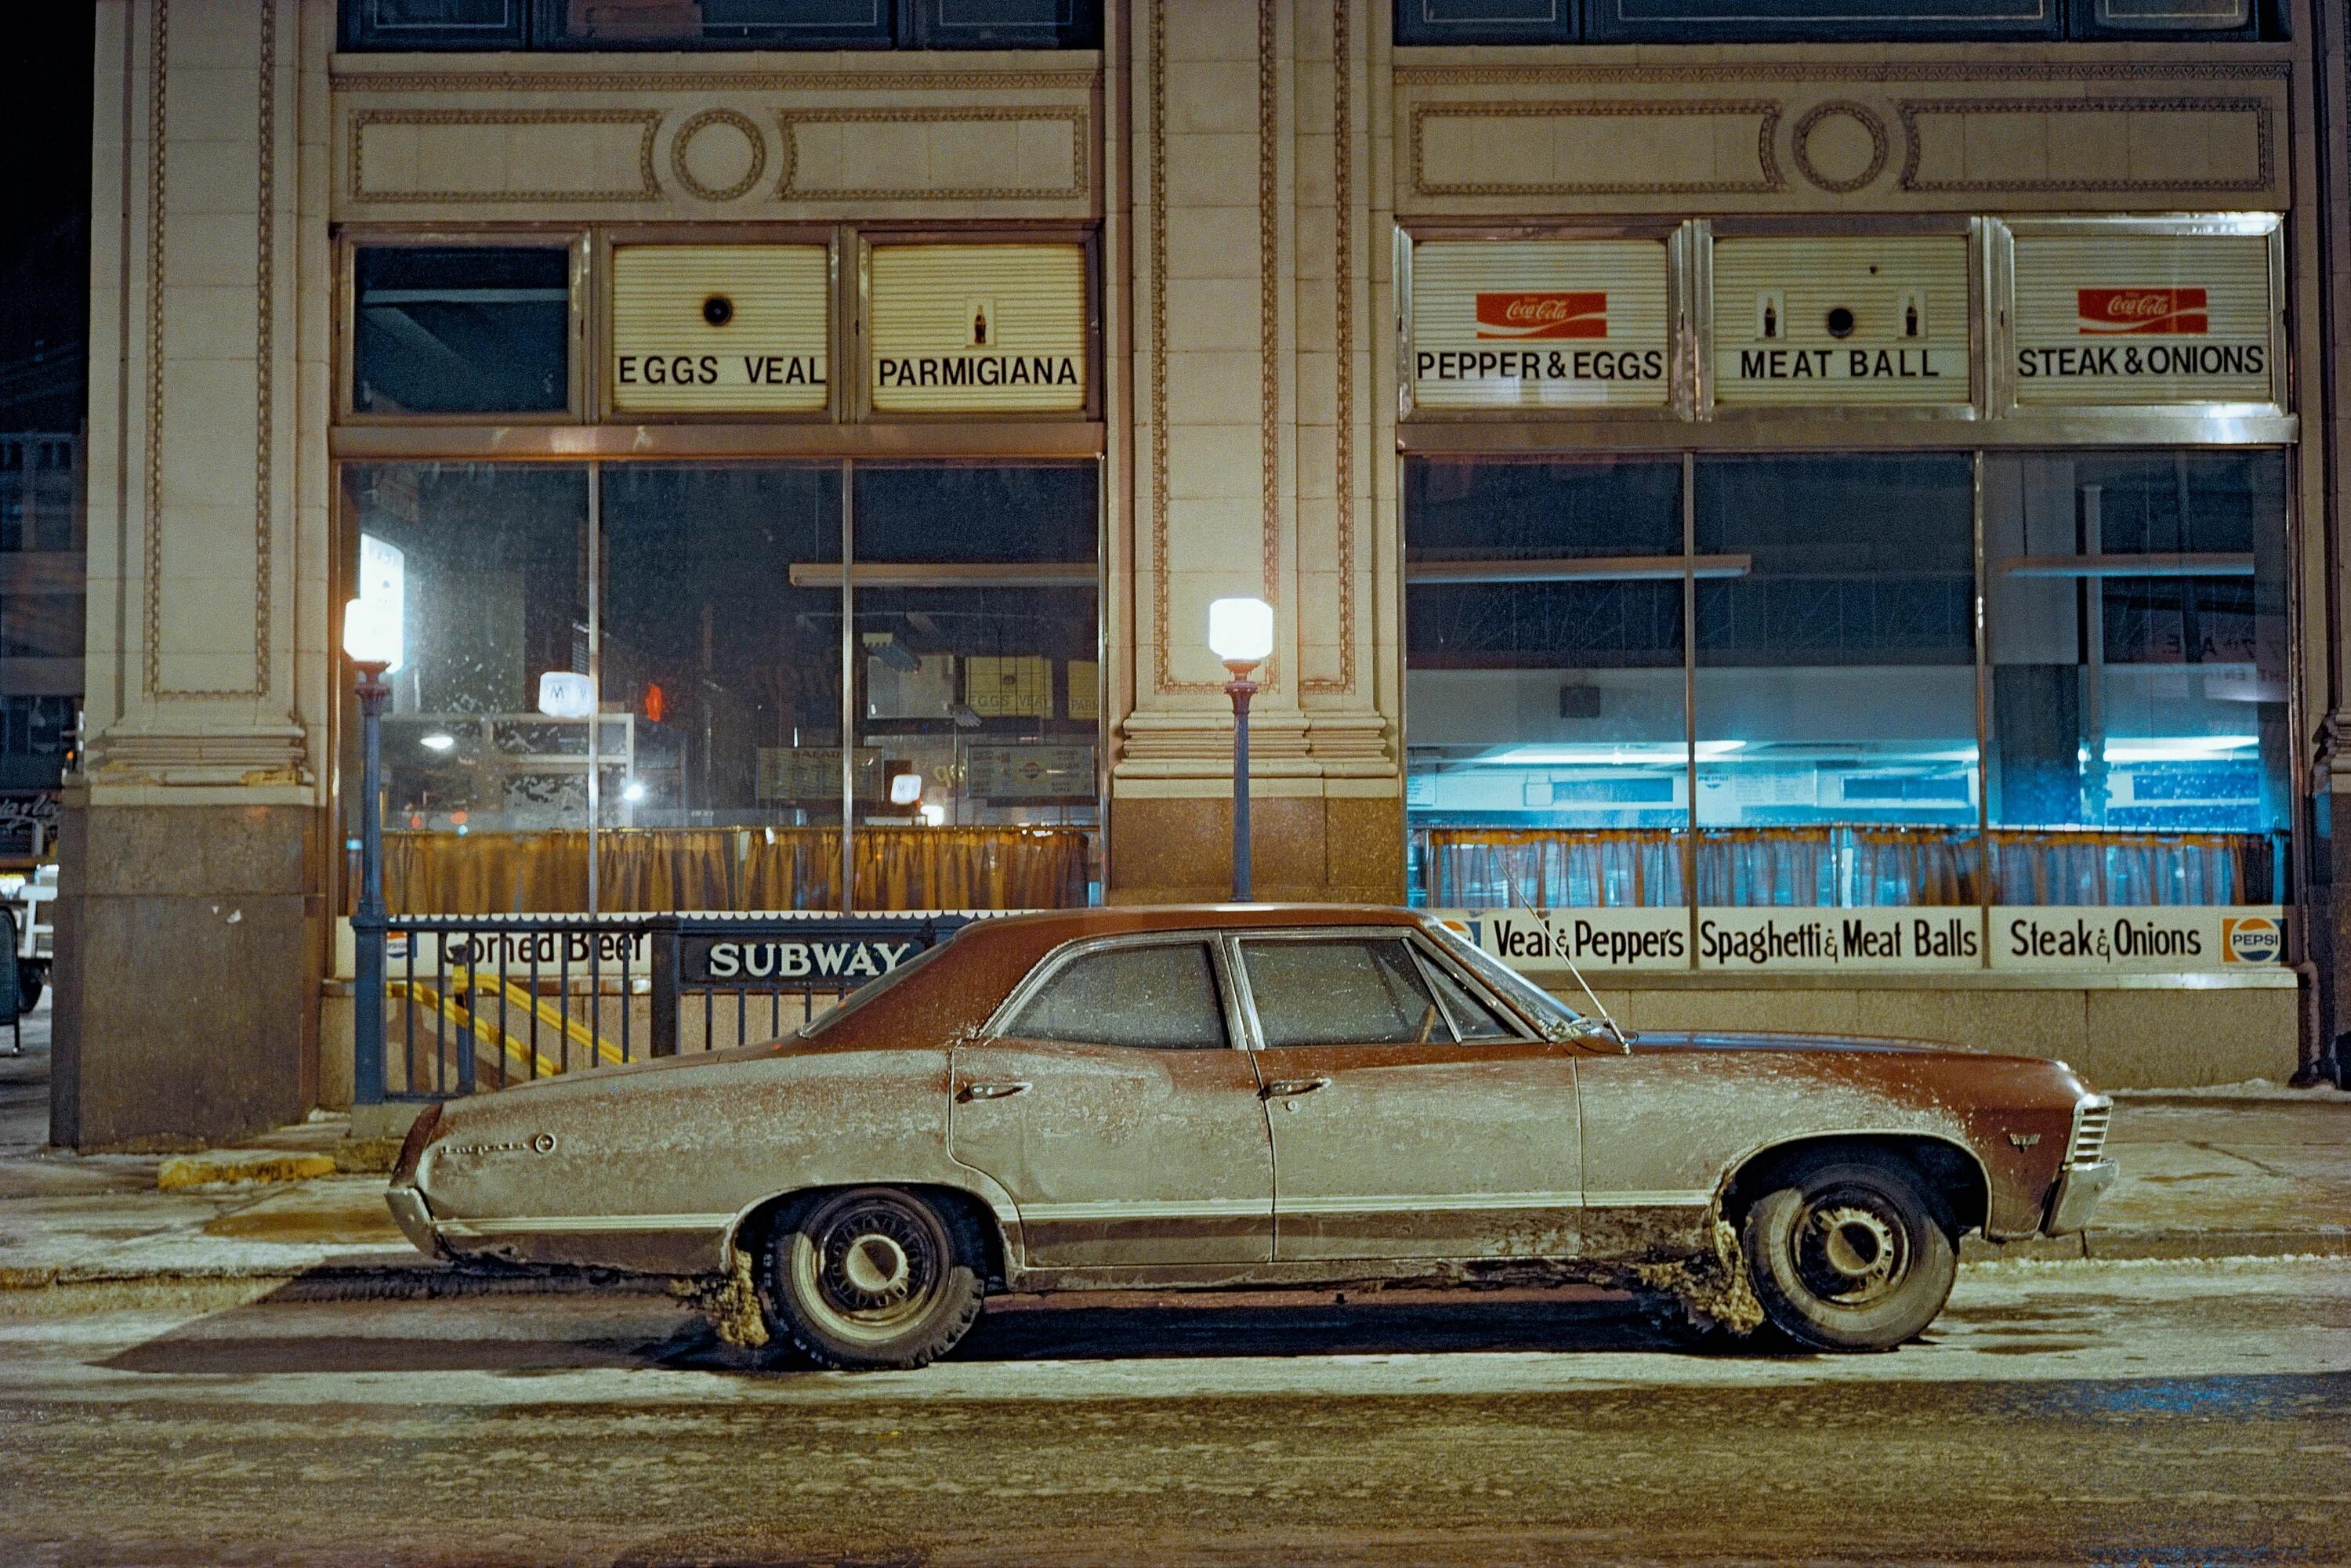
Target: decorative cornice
x=1080 y=170
x=1912 y=110
x=1770 y=180
x=502 y=82
x=647 y=120
x=693 y=127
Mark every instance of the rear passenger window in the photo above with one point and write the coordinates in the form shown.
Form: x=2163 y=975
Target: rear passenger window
x=1161 y=995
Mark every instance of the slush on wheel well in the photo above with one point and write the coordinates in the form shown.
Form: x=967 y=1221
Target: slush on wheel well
x=1947 y=1173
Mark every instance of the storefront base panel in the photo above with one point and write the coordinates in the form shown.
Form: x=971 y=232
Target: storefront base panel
x=186 y=969
x=2140 y=1031
x=1315 y=849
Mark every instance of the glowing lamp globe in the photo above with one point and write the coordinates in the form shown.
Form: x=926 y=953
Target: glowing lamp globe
x=371 y=632
x=1240 y=632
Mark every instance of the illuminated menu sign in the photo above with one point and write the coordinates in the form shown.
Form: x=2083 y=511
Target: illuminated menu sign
x=1540 y=323
x=977 y=327
x=2109 y=320
x=1857 y=319
x=719 y=329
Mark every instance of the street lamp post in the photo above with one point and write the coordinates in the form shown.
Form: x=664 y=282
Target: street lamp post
x=371 y=642
x=1241 y=633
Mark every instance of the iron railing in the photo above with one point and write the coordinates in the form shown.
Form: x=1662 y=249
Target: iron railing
x=479 y=1002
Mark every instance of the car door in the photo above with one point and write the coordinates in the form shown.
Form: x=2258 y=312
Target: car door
x=1409 y=1118
x=1117 y=1108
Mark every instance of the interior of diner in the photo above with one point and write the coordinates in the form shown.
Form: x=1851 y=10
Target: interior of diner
x=1757 y=680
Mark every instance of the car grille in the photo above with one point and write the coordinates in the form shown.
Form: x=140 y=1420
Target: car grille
x=2090 y=1119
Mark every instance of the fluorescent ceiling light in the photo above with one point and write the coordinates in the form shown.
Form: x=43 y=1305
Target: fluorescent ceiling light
x=439 y=741
x=2178 y=748
x=634 y=790
x=1631 y=753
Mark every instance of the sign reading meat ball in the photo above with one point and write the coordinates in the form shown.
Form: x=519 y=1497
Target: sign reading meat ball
x=728 y=329
x=998 y=328
x=1867 y=320
x=1540 y=323
x=2118 y=320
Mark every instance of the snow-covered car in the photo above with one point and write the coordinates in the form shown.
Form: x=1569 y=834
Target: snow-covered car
x=1254 y=1095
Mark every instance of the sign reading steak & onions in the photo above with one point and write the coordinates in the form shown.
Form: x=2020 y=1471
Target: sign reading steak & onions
x=2118 y=320
x=1534 y=323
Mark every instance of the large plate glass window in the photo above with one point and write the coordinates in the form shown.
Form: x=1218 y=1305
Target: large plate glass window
x=1547 y=758
x=435 y=24
x=1485 y=22
x=441 y=329
x=1835 y=681
x=722 y=680
x=2137 y=700
x=1832 y=21
x=978 y=683
x=718 y=24
x=488 y=566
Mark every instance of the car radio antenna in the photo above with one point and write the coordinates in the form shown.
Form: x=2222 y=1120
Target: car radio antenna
x=1623 y=1041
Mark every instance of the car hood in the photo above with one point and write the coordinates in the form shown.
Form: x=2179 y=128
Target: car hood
x=1694 y=1039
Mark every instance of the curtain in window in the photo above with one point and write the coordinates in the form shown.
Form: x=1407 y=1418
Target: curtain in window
x=1493 y=868
x=2089 y=868
x=658 y=869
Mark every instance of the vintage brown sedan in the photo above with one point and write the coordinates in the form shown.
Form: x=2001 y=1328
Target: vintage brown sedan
x=1258 y=1095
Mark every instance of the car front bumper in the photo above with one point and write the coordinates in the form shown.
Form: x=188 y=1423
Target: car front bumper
x=2077 y=1195
x=415 y=1221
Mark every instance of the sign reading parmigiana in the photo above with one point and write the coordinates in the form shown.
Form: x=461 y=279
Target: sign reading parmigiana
x=1851 y=319
x=1520 y=323
x=994 y=328
x=2118 y=320
x=719 y=329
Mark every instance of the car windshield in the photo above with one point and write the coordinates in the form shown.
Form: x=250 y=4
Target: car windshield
x=867 y=992
x=1554 y=1016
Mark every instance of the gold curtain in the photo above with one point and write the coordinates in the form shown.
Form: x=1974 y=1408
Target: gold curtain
x=667 y=869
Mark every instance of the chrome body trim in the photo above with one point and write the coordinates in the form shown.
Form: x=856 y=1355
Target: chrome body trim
x=2077 y=1195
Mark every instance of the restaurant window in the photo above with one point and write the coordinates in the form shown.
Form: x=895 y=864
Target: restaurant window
x=2137 y=696
x=461 y=330
x=1442 y=22
x=1835 y=681
x=1547 y=758
x=701 y=614
x=434 y=24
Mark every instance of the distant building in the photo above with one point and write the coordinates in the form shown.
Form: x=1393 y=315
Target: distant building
x=1844 y=513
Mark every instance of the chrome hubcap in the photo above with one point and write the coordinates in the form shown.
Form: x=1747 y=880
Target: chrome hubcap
x=1850 y=1253
x=876 y=1263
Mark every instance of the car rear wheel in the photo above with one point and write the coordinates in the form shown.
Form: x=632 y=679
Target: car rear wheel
x=873 y=1277
x=1846 y=1252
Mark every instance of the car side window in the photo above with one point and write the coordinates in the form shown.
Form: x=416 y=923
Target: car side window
x=1341 y=991
x=1160 y=995
x=1473 y=1018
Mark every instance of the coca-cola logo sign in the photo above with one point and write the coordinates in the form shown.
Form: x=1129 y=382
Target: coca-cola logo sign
x=2173 y=312
x=1577 y=314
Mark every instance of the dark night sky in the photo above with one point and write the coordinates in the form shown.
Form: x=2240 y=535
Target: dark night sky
x=44 y=239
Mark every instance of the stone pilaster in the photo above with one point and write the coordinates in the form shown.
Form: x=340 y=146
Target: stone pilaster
x=1263 y=451
x=193 y=828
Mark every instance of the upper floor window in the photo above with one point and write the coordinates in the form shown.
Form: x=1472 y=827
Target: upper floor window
x=1825 y=21
x=721 y=24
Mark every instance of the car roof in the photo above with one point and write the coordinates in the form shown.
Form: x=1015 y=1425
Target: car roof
x=1051 y=927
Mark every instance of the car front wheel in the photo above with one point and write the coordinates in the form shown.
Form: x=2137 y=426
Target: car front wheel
x=873 y=1277
x=1845 y=1252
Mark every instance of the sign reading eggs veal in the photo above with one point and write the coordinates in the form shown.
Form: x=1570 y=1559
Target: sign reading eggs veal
x=1873 y=320
x=2114 y=320
x=998 y=328
x=1540 y=323
x=730 y=329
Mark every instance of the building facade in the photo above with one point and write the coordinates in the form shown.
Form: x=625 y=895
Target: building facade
x=1827 y=524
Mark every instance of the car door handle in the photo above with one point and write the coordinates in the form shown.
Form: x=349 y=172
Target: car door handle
x=1282 y=1088
x=995 y=1090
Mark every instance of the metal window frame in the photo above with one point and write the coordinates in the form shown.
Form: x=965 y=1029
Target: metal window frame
x=571 y=238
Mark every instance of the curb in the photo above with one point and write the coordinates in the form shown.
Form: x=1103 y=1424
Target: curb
x=2120 y=1246
x=233 y=1167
